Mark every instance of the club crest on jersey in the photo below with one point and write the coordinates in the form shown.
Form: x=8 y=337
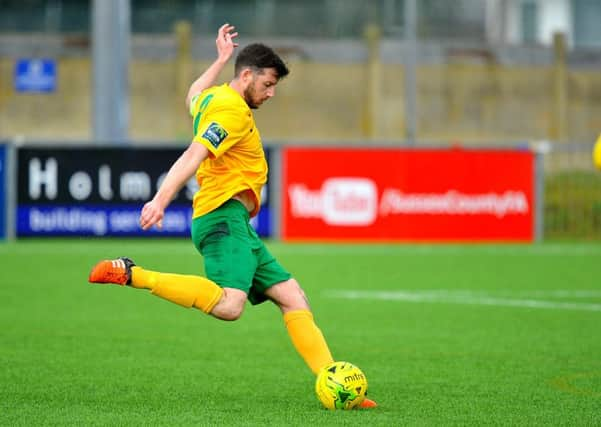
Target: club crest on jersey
x=215 y=134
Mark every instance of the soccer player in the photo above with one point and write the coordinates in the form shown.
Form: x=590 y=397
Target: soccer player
x=228 y=159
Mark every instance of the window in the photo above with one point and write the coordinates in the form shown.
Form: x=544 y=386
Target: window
x=587 y=23
x=529 y=21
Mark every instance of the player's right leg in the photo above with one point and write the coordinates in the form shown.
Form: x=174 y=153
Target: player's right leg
x=185 y=290
x=116 y=271
x=221 y=238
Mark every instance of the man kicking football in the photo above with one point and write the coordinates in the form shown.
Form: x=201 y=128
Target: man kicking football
x=227 y=157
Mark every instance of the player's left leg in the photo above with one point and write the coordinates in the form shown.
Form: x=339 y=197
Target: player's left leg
x=306 y=336
x=272 y=281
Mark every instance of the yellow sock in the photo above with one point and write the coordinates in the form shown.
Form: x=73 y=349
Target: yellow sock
x=308 y=339
x=185 y=290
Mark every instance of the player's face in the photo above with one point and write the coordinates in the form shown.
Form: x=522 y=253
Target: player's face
x=261 y=87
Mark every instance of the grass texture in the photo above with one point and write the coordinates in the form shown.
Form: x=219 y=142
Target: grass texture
x=447 y=335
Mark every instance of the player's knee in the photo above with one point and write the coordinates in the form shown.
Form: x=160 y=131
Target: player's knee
x=229 y=314
x=296 y=293
x=288 y=296
x=230 y=306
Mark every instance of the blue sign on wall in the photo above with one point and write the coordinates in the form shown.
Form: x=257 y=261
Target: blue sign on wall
x=35 y=75
x=3 y=181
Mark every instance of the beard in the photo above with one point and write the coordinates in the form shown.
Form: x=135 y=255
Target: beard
x=249 y=96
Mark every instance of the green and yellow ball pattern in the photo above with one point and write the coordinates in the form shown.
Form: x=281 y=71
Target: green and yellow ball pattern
x=340 y=385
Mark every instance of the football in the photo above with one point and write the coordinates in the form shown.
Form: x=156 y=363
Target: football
x=340 y=385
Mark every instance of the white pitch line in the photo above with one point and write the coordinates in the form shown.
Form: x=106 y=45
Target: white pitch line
x=461 y=298
x=518 y=294
x=560 y=293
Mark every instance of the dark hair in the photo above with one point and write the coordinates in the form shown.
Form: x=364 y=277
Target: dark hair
x=259 y=56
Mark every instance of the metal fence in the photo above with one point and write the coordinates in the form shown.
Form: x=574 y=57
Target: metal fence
x=572 y=205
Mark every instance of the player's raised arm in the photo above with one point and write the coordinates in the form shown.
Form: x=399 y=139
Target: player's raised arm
x=179 y=173
x=225 y=48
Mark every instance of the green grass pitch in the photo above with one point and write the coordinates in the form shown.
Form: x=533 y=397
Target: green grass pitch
x=447 y=335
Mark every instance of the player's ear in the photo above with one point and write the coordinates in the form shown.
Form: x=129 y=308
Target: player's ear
x=246 y=75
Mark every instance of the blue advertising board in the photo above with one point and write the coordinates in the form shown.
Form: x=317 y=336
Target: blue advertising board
x=97 y=220
x=35 y=75
x=97 y=191
x=3 y=190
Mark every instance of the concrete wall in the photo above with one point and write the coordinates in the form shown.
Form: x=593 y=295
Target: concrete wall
x=469 y=102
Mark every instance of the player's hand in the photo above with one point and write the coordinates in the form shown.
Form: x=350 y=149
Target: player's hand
x=225 y=42
x=152 y=214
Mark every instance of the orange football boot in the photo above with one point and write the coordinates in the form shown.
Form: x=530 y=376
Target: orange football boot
x=116 y=271
x=367 y=404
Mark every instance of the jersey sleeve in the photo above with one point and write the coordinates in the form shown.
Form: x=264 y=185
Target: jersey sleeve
x=221 y=128
x=193 y=105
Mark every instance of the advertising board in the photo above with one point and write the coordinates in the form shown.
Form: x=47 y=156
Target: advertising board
x=99 y=191
x=389 y=194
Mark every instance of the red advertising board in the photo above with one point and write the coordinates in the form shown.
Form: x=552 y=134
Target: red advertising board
x=382 y=194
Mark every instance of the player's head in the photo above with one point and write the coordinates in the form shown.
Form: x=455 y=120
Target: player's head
x=258 y=69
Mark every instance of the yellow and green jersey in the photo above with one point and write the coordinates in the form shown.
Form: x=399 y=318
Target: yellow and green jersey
x=225 y=125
